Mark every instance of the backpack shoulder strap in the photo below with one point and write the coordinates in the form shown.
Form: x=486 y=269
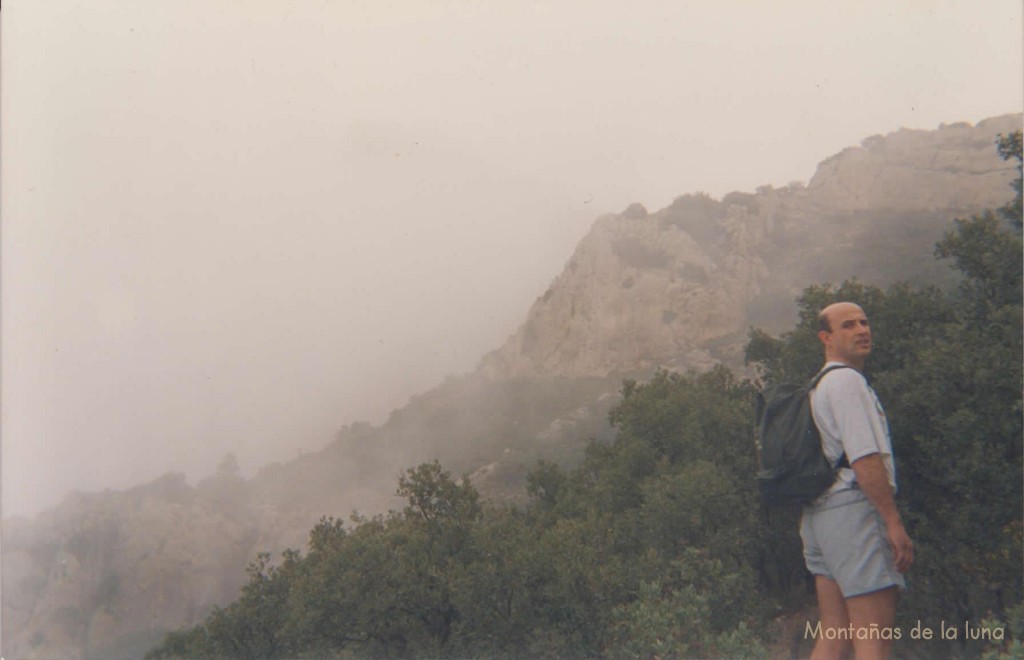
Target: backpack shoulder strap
x=821 y=374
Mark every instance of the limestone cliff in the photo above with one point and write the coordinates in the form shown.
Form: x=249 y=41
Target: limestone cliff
x=679 y=287
x=952 y=167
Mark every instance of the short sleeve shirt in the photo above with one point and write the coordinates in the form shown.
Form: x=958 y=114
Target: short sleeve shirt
x=851 y=419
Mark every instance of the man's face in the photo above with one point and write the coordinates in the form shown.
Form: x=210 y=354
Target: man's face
x=850 y=339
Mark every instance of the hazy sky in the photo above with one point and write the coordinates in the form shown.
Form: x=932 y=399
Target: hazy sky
x=237 y=225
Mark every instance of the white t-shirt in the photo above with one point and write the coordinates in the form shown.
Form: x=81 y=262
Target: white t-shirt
x=850 y=418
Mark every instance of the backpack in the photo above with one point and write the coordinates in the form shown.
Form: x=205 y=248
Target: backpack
x=793 y=468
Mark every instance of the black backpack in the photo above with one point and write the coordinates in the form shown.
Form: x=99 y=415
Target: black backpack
x=793 y=468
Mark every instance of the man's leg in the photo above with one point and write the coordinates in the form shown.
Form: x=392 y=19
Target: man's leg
x=877 y=607
x=833 y=614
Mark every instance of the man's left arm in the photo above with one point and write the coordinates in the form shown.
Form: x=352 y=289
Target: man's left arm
x=874 y=481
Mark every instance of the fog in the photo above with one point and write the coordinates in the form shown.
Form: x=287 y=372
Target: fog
x=239 y=226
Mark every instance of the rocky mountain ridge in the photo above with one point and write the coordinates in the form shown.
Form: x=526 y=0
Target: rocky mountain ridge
x=673 y=288
x=103 y=575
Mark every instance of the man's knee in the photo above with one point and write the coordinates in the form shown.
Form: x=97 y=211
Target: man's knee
x=830 y=649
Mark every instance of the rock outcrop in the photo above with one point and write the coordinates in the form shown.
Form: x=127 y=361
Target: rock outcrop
x=679 y=287
x=953 y=167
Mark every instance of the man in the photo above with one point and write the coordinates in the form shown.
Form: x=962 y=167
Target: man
x=855 y=544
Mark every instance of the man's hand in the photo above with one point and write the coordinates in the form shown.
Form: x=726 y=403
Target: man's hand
x=902 y=546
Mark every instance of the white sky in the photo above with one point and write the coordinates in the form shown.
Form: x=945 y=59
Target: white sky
x=239 y=225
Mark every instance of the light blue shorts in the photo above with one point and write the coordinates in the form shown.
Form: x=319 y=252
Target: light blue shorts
x=845 y=540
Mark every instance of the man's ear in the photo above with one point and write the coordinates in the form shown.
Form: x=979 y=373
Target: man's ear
x=823 y=337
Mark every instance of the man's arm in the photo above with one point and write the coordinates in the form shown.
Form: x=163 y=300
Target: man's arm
x=874 y=481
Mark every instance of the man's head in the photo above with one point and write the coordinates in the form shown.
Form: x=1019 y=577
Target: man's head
x=845 y=333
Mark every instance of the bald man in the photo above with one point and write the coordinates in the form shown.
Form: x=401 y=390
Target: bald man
x=855 y=544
